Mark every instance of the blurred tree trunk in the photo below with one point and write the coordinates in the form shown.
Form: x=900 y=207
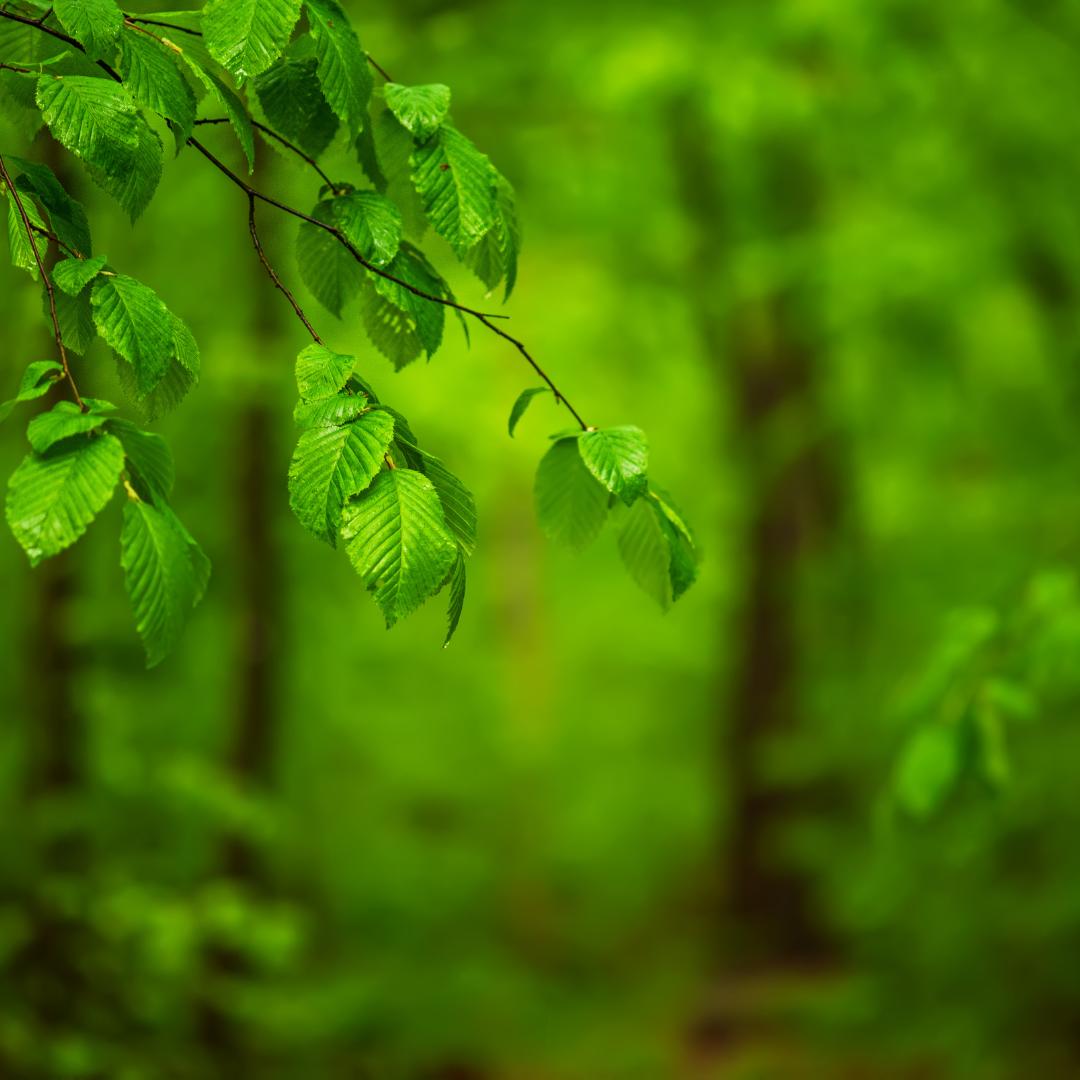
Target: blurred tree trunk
x=763 y=341
x=47 y=971
x=251 y=750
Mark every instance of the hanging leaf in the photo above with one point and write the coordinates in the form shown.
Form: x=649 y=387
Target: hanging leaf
x=397 y=539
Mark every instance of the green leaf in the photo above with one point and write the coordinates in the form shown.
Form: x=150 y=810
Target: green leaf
x=94 y=23
x=321 y=372
x=293 y=101
x=928 y=769
x=524 y=400
x=494 y=258
x=342 y=64
x=328 y=269
x=181 y=374
x=399 y=323
x=247 y=36
x=570 y=504
x=647 y=544
x=393 y=148
x=76 y=318
x=22 y=251
x=93 y=118
x=67 y=216
x=134 y=184
x=52 y=498
x=420 y=109
x=138 y=326
x=618 y=457
x=397 y=539
x=73 y=275
x=330 y=412
x=371 y=223
x=150 y=72
x=149 y=460
x=459 y=507
x=457 y=598
x=233 y=106
x=37 y=380
x=160 y=577
x=455 y=182
x=64 y=420
x=331 y=464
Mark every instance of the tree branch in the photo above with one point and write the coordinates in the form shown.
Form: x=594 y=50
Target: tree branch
x=271 y=134
x=29 y=227
x=252 y=194
x=278 y=283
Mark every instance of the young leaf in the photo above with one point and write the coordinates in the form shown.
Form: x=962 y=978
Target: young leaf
x=94 y=23
x=247 y=36
x=73 y=275
x=52 y=498
x=457 y=598
x=76 y=318
x=159 y=576
x=420 y=109
x=618 y=457
x=331 y=464
x=524 y=400
x=150 y=72
x=321 y=372
x=570 y=504
x=293 y=101
x=342 y=64
x=455 y=183
x=397 y=539
x=62 y=421
x=37 y=380
x=138 y=326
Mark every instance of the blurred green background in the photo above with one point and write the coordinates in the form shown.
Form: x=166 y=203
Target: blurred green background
x=821 y=819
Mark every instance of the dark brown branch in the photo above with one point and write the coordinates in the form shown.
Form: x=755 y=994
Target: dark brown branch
x=278 y=283
x=18 y=70
x=253 y=193
x=28 y=225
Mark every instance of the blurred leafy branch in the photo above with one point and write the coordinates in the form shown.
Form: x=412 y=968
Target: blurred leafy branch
x=92 y=74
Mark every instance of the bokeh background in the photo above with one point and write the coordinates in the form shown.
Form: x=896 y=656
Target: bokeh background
x=821 y=819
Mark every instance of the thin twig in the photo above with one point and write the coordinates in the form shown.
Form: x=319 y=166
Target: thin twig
x=278 y=283
x=163 y=25
x=17 y=69
x=29 y=227
x=253 y=193
x=270 y=133
x=73 y=252
x=378 y=67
